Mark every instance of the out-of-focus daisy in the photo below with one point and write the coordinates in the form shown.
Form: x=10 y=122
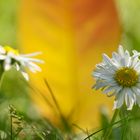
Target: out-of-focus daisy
x=120 y=76
x=10 y=57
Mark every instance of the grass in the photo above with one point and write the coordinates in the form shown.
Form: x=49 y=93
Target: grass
x=16 y=123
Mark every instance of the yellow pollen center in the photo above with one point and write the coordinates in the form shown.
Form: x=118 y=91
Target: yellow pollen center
x=9 y=49
x=126 y=77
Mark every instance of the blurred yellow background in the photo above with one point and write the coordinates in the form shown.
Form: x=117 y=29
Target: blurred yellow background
x=72 y=36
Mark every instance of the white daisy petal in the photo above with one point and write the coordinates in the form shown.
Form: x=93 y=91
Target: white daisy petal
x=2 y=50
x=25 y=75
x=35 y=60
x=136 y=53
x=7 y=63
x=119 y=100
x=134 y=61
x=7 y=67
x=116 y=59
x=108 y=89
x=2 y=57
x=136 y=90
x=121 y=51
x=109 y=63
x=98 y=86
x=17 y=67
x=129 y=99
x=131 y=103
x=107 y=59
x=138 y=99
x=34 y=66
x=31 y=54
x=123 y=62
x=127 y=58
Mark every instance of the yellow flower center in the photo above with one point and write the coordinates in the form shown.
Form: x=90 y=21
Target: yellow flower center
x=126 y=77
x=9 y=49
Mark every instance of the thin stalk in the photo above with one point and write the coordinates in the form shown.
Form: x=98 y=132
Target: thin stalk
x=53 y=97
x=109 y=130
x=11 y=127
x=117 y=122
x=36 y=90
x=102 y=130
x=1 y=76
x=63 y=119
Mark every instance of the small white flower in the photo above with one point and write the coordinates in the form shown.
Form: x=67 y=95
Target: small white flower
x=10 y=57
x=120 y=76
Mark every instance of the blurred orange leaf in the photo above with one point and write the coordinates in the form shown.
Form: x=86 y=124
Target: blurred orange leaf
x=72 y=35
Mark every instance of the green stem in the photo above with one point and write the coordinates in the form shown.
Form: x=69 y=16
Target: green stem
x=109 y=130
x=63 y=119
x=1 y=75
x=11 y=128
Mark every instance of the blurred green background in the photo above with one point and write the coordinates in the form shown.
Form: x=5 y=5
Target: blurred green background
x=130 y=19
x=8 y=22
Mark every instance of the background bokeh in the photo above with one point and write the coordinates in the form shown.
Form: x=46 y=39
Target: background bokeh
x=72 y=36
x=128 y=12
x=50 y=27
x=8 y=22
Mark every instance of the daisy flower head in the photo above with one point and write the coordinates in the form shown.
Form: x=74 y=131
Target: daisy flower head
x=10 y=57
x=119 y=76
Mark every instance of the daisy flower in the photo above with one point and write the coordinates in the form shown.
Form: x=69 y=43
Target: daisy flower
x=10 y=57
x=119 y=76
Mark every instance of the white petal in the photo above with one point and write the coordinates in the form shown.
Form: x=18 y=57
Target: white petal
x=107 y=59
x=109 y=62
x=7 y=67
x=104 y=83
x=121 y=51
x=27 y=59
x=134 y=61
x=137 y=66
x=33 y=67
x=117 y=90
x=7 y=63
x=136 y=90
x=2 y=50
x=103 y=75
x=127 y=59
x=138 y=99
x=137 y=93
x=17 y=67
x=31 y=54
x=119 y=100
x=33 y=60
x=109 y=89
x=116 y=59
x=135 y=54
x=123 y=62
x=25 y=75
x=2 y=57
x=99 y=85
x=129 y=99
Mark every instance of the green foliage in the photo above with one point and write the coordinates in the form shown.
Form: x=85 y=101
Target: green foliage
x=8 y=22
x=129 y=17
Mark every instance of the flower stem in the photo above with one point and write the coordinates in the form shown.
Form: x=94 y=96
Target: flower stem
x=109 y=130
x=1 y=75
x=65 y=124
x=11 y=127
